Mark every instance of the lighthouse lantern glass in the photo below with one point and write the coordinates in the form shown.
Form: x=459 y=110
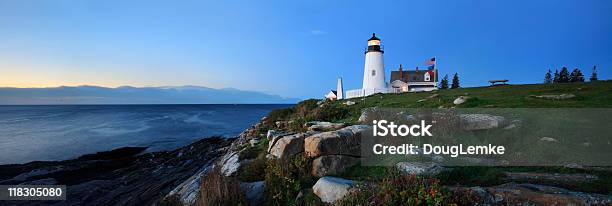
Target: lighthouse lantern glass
x=373 y=42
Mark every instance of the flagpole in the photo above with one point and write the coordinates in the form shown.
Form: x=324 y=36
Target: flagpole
x=436 y=72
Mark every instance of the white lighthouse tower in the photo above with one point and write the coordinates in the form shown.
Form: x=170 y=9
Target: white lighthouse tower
x=373 y=72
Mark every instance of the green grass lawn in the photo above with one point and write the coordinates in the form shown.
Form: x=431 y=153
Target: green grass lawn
x=588 y=95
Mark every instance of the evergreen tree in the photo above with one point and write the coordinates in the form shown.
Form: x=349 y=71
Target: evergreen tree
x=593 y=75
x=444 y=82
x=556 y=78
x=564 y=75
x=548 y=78
x=576 y=76
x=455 y=83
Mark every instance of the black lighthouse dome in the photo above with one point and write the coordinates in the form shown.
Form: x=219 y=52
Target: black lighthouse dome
x=374 y=37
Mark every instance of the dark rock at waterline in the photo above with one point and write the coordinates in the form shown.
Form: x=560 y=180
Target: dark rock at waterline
x=114 y=154
x=117 y=177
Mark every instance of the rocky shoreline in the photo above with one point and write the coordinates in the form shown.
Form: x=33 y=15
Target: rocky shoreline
x=122 y=176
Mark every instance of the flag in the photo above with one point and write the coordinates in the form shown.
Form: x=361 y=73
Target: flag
x=431 y=61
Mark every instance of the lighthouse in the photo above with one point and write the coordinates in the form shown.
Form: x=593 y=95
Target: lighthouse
x=373 y=71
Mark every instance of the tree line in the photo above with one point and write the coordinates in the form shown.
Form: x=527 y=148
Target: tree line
x=454 y=84
x=564 y=76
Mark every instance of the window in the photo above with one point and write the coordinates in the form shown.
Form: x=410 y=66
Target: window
x=427 y=77
x=373 y=72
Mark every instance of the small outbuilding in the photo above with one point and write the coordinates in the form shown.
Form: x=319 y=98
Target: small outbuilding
x=332 y=95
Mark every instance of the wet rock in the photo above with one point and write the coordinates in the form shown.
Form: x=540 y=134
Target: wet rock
x=332 y=164
x=143 y=179
x=331 y=189
x=47 y=181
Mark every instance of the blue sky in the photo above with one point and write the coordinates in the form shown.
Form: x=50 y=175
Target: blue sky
x=293 y=48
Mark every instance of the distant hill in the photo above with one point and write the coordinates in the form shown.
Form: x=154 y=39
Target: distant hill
x=135 y=95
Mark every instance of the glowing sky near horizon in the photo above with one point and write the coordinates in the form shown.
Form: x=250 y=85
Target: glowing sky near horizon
x=293 y=48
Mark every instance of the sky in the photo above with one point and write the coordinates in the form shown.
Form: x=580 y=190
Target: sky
x=294 y=48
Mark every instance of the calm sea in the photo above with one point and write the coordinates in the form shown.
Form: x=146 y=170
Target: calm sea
x=32 y=133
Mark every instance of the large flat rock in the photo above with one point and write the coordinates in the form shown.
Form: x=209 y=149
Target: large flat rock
x=346 y=141
x=288 y=145
x=332 y=164
x=332 y=189
x=472 y=122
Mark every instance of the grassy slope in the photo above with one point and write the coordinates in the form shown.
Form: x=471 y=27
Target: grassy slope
x=588 y=95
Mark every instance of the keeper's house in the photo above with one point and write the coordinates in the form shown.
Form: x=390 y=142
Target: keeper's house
x=413 y=80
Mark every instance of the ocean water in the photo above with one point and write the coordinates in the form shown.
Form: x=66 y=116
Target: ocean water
x=60 y=132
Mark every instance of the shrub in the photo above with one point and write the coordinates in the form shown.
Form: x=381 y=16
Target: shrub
x=280 y=114
x=252 y=152
x=474 y=102
x=330 y=112
x=397 y=189
x=310 y=199
x=297 y=125
x=286 y=178
x=465 y=197
x=305 y=107
x=255 y=170
x=475 y=175
x=273 y=117
x=217 y=189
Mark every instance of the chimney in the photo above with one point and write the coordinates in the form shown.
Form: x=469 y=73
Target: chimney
x=401 y=76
